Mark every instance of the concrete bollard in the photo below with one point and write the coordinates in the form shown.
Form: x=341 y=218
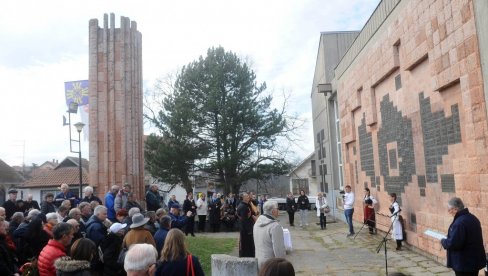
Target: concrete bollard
x=224 y=265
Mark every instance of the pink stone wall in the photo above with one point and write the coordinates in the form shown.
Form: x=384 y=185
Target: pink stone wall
x=432 y=45
x=116 y=119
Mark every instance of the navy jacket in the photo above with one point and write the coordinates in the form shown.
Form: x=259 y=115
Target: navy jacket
x=95 y=230
x=159 y=238
x=178 y=267
x=464 y=243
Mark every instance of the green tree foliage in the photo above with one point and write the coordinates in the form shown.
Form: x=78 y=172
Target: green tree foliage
x=218 y=119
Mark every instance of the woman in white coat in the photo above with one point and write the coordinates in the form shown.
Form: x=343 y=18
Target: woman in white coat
x=202 y=210
x=322 y=209
x=396 y=231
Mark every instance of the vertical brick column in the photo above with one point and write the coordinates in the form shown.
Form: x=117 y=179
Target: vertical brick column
x=116 y=122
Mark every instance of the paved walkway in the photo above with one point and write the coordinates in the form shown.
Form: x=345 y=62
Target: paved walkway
x=330 y=252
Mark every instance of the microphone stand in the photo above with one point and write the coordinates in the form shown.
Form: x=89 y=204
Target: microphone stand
x=384 y=241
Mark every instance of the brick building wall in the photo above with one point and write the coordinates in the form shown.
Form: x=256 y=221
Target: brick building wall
x=116 y=122
x=413 y=115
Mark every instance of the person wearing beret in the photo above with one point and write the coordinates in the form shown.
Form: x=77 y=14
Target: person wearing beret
x=11 y=204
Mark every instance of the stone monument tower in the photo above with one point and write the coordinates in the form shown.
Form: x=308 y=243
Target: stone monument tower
x=116 y=119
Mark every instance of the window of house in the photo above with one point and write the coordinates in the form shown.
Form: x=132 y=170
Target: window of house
x=299 y=184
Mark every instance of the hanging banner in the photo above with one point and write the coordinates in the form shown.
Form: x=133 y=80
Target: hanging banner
x=77 y=91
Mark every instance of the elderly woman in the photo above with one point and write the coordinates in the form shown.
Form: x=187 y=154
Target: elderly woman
x=47 y=206
x=175 y=258
x=89 y=197
x=141 y=260
x=52 y=220
x=322 y=209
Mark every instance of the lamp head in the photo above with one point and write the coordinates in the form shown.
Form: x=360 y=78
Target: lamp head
x=79 y=126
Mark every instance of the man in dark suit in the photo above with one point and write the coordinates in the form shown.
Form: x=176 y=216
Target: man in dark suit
x=464 y=242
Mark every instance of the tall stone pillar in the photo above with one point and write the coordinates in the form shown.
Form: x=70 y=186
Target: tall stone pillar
x=116 y=119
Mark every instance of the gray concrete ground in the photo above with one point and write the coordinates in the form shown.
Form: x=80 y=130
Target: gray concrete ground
x=330 y=252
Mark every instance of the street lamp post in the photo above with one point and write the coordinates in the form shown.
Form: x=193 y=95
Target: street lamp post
x=79 y=127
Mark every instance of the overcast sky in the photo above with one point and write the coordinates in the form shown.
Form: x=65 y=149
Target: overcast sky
x=45 y=43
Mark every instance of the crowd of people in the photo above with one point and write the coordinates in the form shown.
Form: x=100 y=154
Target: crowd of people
x=68 y=235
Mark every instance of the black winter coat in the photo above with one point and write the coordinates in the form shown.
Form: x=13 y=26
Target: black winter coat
x=111 y=247
x=464 y=243
x=291 y=205
x=303 y=203
x=214 y=211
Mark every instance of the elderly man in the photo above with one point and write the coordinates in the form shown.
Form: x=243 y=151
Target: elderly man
x=110 y=202
x=153 y=198
x=160 y=236
x=140 y=260
x=10 y=205
x=89 y=197
x=86 y=211
x=464 y=242
x=76 y=230
x=65 y=194
x=178 y=221
x=75 y=214
x=55 y=248
x=121 y=198
x=95 y=228
x=268 y=234
x=30 y=204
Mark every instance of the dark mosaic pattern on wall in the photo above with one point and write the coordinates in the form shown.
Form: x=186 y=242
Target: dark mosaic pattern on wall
x=438 y=132
x=447 y=183
x=366 y=150
x=395 y=128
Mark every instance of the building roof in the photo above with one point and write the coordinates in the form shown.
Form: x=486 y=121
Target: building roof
x=56 y=177
x=303 y=162
x=66 y=172
x=71 y=161
x=8 y=175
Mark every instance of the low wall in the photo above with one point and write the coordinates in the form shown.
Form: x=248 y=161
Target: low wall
x=223 y=265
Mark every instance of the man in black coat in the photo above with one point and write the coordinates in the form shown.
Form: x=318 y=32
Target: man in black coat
x=464 y=242
x=10 y=205
x=246 y=224
x=291 y=208
x=153 y=198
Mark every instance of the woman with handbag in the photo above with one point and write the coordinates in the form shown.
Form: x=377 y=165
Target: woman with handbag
x=175 y=258
x=322 y=209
